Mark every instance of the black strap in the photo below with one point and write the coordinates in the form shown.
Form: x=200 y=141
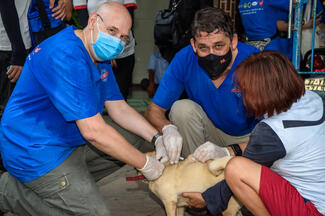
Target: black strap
x=43 y=15
x=273 y=37
x=155 y=137
x=237 y=150
x=292 y=123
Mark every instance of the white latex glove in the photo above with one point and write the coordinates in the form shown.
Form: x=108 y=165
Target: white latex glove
x=161 y=154
x=209 y=151
x=173 y=142
x=152 y=169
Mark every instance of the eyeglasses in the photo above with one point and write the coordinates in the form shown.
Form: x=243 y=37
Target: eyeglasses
x=114 y=31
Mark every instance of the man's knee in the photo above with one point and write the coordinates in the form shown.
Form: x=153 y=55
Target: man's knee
x=183 y=110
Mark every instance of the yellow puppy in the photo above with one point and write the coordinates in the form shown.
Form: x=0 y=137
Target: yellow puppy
x=189 y=176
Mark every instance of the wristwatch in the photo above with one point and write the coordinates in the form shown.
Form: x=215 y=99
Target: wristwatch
x=155 y=137
x=237 y=150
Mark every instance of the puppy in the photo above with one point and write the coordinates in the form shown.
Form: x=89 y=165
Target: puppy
x=189 y=176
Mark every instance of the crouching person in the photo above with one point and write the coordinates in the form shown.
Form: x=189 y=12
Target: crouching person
x=282 y=170
x=52 y=131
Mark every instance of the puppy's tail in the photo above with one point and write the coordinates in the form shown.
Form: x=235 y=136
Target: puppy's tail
x=218 y=165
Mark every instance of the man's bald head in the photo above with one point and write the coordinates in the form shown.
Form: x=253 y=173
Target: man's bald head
x=114 y=10
x=112 y=15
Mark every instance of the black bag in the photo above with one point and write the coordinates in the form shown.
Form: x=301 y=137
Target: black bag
x=167 y=27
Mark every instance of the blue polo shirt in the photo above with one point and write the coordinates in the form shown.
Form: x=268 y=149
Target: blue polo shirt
x=59 y=84
x=223 y=105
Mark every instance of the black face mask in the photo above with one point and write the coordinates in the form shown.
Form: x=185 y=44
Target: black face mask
x=215 y=65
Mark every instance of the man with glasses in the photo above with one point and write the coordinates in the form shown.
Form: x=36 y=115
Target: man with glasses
x=214 y=112
x=124 y=63
x=54 y=139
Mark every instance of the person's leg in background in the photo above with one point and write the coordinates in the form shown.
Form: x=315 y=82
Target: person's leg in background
x=196 y=128
x=123 y=73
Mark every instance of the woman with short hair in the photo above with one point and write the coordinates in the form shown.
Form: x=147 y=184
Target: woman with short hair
x=283 y=168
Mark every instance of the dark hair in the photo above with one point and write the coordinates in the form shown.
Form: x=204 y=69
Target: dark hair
x=209 y=19
x=269 y=83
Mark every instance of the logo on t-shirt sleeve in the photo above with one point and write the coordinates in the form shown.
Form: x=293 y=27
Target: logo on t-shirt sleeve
x=36 y=50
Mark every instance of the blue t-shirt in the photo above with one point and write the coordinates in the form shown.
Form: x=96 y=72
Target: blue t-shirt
x=159 y=65
x=59 y=84
x=259 y=17
x=223 y=105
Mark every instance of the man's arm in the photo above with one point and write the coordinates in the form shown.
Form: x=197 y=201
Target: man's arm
x=156 y=116
x=108 y=140
x=130 y=119
x=172 y=139
x=10 y=22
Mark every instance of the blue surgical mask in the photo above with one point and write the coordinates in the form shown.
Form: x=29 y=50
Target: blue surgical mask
x=106 y=47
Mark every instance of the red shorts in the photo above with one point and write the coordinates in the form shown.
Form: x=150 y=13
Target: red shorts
x=281 y=198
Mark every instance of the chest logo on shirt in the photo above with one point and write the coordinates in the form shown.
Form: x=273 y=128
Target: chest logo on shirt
x=261 y=3
x=104 y=75
x=236 y=91
x=250 y=4
x=251 y=7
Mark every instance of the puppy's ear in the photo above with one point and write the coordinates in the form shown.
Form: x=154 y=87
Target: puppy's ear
x=217 y=166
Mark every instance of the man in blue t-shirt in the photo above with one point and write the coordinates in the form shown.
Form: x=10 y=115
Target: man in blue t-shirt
x=214 y=111
x=259 y=19
x=52 y=131
x=213 y=120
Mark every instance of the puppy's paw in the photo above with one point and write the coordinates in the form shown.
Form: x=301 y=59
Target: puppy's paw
x=182 y=201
